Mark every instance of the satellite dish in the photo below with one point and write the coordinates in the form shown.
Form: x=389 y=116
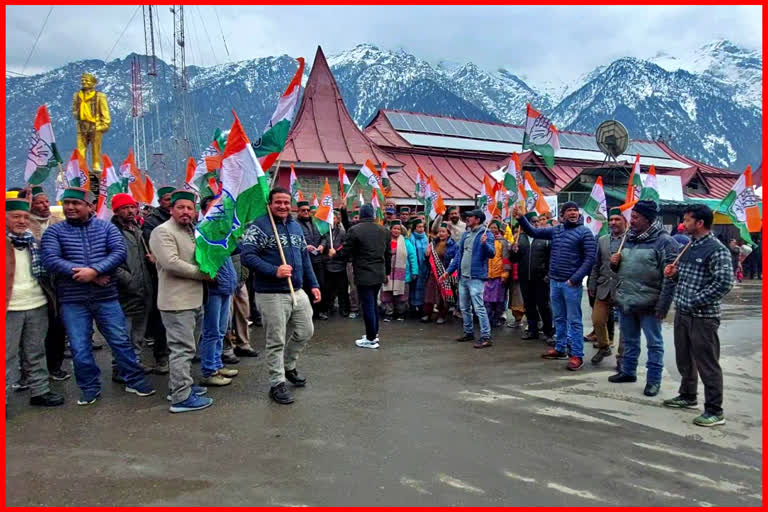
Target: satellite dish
x=612 y=139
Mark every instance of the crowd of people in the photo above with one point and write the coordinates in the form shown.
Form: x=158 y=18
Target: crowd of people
x=136 y=278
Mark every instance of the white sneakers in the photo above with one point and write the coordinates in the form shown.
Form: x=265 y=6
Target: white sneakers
x=365 y=343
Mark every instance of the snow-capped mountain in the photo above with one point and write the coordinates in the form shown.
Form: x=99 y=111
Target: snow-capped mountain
x=707 y=105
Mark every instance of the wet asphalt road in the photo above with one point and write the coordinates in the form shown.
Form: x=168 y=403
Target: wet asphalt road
x=422 y=421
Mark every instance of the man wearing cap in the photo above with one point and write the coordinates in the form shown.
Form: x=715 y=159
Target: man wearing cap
x=680 y=237
x=134 y=282
x=456 y=227
x=643 y=294
x=368 y=249
x=471 y=262
x=532 y=258
x=316 y=245
x=180 y=298
x=389 y=214
x=572 y=257
x=155 y=328
x=601 y=286
x=405 y=220
x=40 y=219
x=84 y=253
x=281 y=313
x=26 y=306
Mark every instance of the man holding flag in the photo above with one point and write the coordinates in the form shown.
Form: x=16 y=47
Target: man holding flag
x=316 y=244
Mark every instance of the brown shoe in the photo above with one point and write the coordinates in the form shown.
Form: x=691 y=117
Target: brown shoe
x=228 y=372
x=217 y=379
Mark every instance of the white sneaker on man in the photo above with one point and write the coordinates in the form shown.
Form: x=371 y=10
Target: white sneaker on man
x=364 y=342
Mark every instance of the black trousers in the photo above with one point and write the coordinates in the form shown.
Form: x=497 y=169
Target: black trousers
x=697 y=352
x=536 y=303
x=155 y=328
x=319 y=268
x=55 y=342
x=336 y=285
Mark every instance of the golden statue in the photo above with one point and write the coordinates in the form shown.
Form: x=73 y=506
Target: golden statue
x=91 y=113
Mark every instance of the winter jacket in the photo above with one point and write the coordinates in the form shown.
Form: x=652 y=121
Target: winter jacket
x=313 y=237
x=241 y=271
x=412 y=267
x=481 y=253
x=603 y=280
x=38 y=225
x=154 y=219
x=642 y=287
x=420 y=243
x=335 y=264
x=260 y=254
x=92 y=243
x=134 y=282
x=367 y=247
x=532 y=258
x=500 y=263
x=227 y=281
x=573 y=249
x=180 y=281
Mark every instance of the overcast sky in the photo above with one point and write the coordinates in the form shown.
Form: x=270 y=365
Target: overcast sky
x=541 y=43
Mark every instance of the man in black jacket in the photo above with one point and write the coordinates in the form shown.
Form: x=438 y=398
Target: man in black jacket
x=532 y=258
x=336 y=272
x=367 y=247
x=134 y=283
x=316 y=245
x=155 y=329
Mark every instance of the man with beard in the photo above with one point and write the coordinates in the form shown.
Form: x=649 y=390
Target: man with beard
x=455 y=225
x=180 y=298
x=155 y=329
x=134 y=282
x=643 y=293
x=316 y=245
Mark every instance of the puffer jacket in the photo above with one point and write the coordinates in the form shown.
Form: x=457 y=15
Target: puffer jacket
x=412 y=268
x=227 y=282
x=532 y=258
x=573 y=249
x=93 y=243
x=134 y=281
x=642 y=287
x=337 y=264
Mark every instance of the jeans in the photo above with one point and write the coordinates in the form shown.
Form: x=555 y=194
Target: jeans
x=566 y=308
x=471 y=296
x=78 y=319
x=282 y=319
x=367 y=296
x=215 y=321
x=631 y=325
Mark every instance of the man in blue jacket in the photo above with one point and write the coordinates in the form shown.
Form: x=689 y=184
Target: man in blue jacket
x=83 y=253
x=572 y=256
x=471 y=260
x=279 y=312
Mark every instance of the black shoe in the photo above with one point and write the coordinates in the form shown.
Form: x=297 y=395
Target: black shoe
x=229 y=359
x=651 y=389
x=294 y=378
x=530 y=336
x=600 y=355
x=161 y=367
x=280 y=394
x=466 y=337
x=116 y=377
x=49 y=399
x=322 y=316
x=196 y=359
x=67 y=353
x=60 y=375
x=620 y=377
x=245 y=352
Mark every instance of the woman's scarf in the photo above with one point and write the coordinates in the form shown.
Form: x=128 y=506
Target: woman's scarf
x=27 y=241
x=396 y=283
x=438 y=269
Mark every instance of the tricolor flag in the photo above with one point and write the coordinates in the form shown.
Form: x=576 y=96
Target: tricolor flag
x=272 y=141
x=650 y=190
x=421 y=187
x=534 y=199
x=541 y=136
x=109 y=185
x=741 y=205
x=77 y=174
x=203 y=176
x=43 y=154
x=323 y=218
x=386 y=185
x=436 y=203
x=486 y=199
x=344 y=187
x=294 y=187
x=513 y=181
x=243 y=197
x=378 y=214
x=635 y=183
x=368 y=179
x=149 y=191
x=597 y=210
x=314 y=203
x=131 y=174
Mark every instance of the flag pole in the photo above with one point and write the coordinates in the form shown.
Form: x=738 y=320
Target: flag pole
x=682 y=252
x=272 y=185
x=282 y=254
x=621 y=246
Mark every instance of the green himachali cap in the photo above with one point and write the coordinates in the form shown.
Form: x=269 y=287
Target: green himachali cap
x=167 y=189
x=37 y=190
x=405 y=209
x=615 y=211
x=531 y=215
x=182 y=194
x=16 y=205
x=302 y=204
x=80 y=194
x=395 y=223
